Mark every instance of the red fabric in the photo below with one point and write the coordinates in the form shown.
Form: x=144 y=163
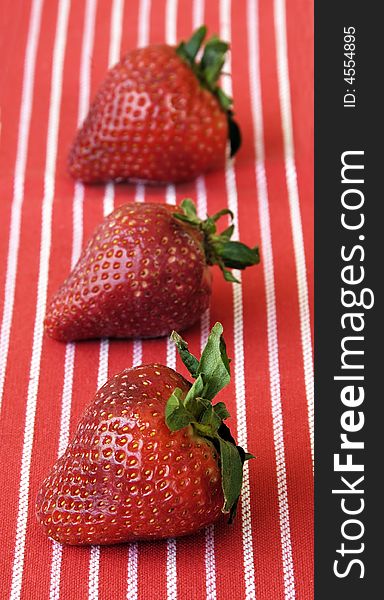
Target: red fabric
x=268 y=552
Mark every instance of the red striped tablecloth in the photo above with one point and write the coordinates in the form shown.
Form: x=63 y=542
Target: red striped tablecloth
x=54 y=55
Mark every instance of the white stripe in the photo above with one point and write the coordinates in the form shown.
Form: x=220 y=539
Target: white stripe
x=171 y=570
x=45 y=244
x=140 y=192
x=102 y=374
x=241 y=413
x=137 y=351
x=54 y=586
x=113 y=57
x=201 y=193
x=108 y=205
x=116 y=32
x=18 y=185
x=77 y=226
x=171 y=354
x=94 y=557
x=170 y=194
x=268 y=269
x=204 y=330
x=77 y=223
x=86 y=54
x=132 y=587
x=171 y=22
x=109 y=193
x=143 y=40
x=133 y=551
x=94 y=567
x=143 y=29
x=171 y=348
x=170 y=198
x=210 y=561
x=66 y=399
x=294 y=206
x=198 y=13
x=109 y=198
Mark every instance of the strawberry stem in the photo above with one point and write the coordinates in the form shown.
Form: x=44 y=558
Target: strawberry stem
x=219 y=249
x=211 y=374
x=208 y=72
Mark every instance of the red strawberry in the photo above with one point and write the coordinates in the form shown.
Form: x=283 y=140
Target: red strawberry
x=144 y=272
x=159 y=116
x=151 y=457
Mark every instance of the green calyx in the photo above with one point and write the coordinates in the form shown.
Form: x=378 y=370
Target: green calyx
x=208 y=71
x=219 y=249
x=211 y=375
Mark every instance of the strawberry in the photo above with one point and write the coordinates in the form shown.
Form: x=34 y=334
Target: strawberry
x=151 y=457
x=159 y=116
x=144 y=272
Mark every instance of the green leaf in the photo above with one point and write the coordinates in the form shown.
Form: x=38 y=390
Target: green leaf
x=188 y=359
x=188 y=50
x=221 y=411
x=221 y=213
x=195 y=408
x=223 y=352
x=185 y=219
x=218 y=247
x=225 y=100
x=207 y=417
x=236 y=255
x=213 y=60
x=208 y=226
x=214 y=363
x=212 y=73
x=243 y=455
x=228 y=276
x=189 y=214
x=231 y=473
x=207 y=413
x=248 y=456
x=204 y=430
x=208 y=72
x=215 y=420
x=176 y=415
x=196 y=391
x=226 y=235
x=189 y=209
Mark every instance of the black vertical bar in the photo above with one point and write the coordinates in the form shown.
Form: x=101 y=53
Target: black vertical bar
x=348 y=119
